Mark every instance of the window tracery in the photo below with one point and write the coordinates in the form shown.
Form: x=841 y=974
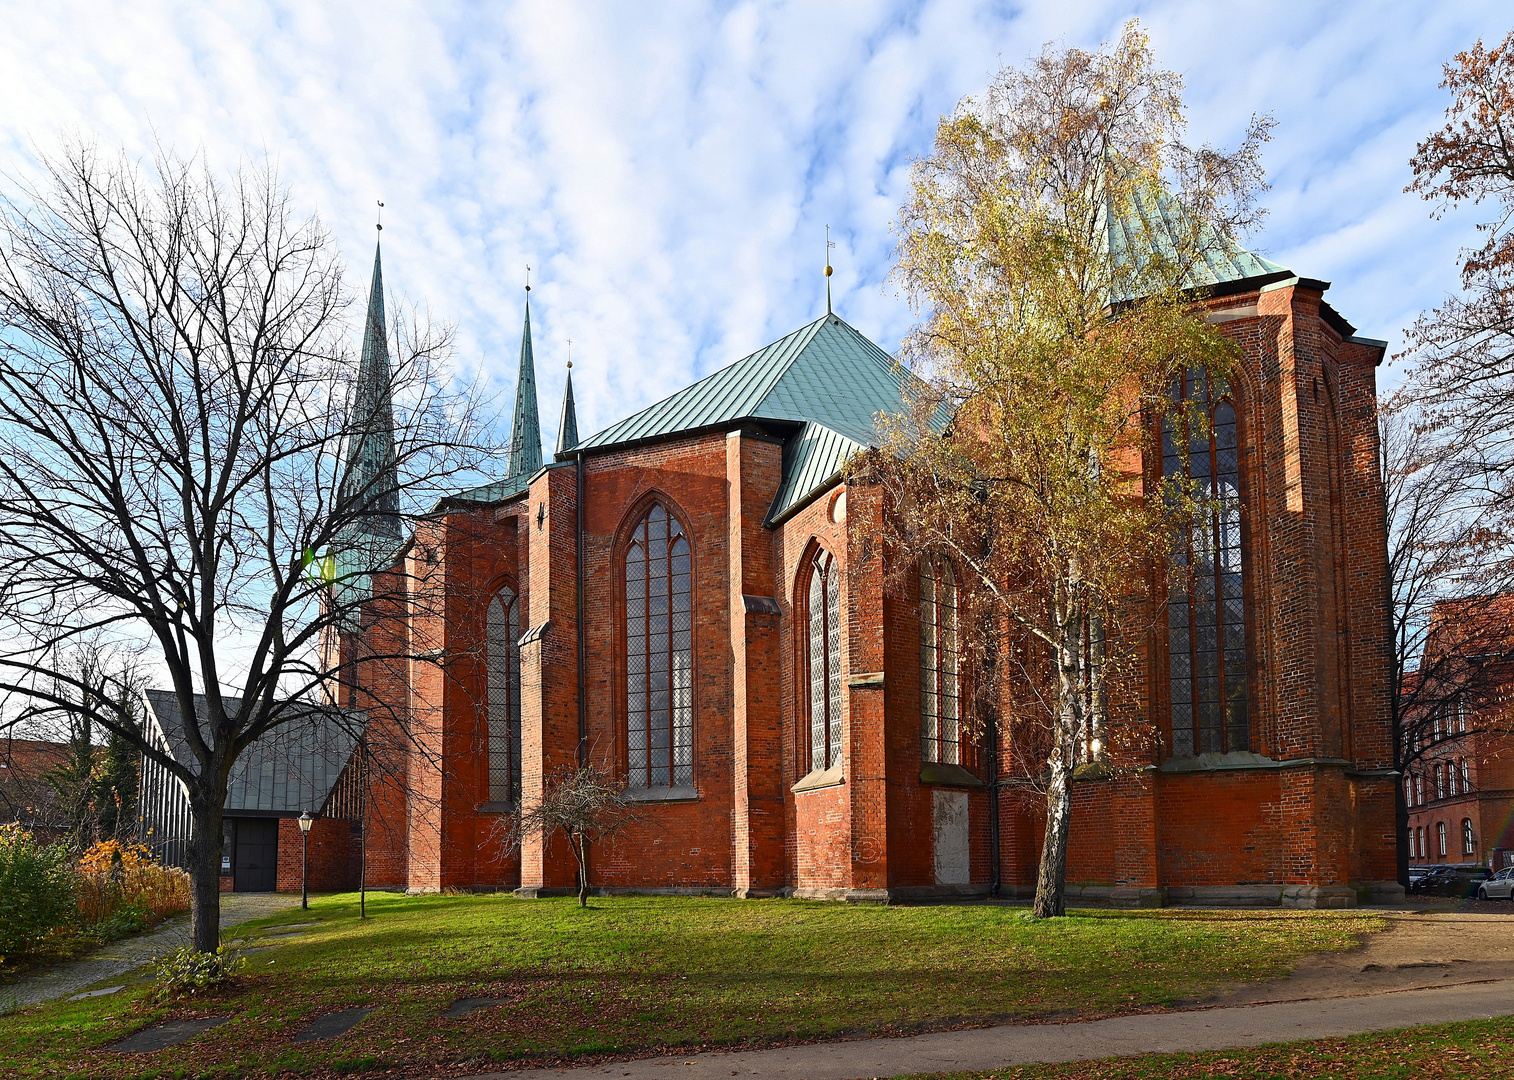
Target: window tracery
x=823 y=656
x=940 y=722
x=659 y=653
x=503 y=634
x=1207 y=665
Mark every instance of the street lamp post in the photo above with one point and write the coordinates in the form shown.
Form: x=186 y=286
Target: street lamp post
x=305 y=820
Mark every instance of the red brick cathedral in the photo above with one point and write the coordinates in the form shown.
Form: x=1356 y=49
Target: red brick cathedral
x=689 y=597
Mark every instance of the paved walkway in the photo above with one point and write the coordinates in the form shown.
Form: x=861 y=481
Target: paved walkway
x=131 y=953
x=1221 y=1028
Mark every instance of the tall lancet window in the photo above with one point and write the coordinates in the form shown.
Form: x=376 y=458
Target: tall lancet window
x=824 y=655
x=939 y=722
x=1206 y=600
x=504 y=698
x=659 y=654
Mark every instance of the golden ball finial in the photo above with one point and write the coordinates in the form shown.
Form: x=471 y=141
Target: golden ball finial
x=827 y=271
x=570 y=365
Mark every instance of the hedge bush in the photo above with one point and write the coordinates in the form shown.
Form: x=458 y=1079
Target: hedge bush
x=38 y=891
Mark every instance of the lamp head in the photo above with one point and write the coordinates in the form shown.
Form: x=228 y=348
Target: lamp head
x=305 y=820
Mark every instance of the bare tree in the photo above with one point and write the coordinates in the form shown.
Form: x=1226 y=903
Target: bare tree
x=587 y=804
x=1050 y=240
x=195 y=465
x=1448 y=440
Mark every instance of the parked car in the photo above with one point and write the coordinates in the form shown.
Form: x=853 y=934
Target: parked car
x=1463 y=879
x=1427 y=880
x=1498 y=887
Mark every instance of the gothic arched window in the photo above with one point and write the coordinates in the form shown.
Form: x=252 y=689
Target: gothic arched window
x=503 y=625
x=940 y=728
x=659 y=653
x=1206 y=628
x=824 y=657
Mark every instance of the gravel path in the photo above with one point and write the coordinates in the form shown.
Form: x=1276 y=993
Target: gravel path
x=131 y=953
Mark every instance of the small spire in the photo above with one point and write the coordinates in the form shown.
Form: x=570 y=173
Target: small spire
x=525 y=430
x=567 y=426
x=829 y=243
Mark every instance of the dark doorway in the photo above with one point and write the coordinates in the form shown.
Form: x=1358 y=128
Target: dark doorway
x=257 y=855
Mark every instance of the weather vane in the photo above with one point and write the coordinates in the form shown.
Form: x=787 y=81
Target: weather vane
x=829 y=243
x=380 y=223
x=528 y=277
x=570 y=354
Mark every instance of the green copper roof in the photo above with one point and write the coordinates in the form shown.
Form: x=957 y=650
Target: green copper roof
x=1159 y=222
x=370 y=453
x=525 y=430
x=567 y=424
x=825 y=376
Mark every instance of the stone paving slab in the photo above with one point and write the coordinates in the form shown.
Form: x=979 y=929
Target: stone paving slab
x=96 y=993
x=1222 y=1028
x=131 y=953
x=332 y=1025
x=162 y=1036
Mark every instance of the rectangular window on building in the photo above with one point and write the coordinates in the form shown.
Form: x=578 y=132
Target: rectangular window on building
x=1466 y=777
x=1467 y=846
x=1440 y=836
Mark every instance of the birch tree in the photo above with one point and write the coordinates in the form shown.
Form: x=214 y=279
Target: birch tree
x=1048 y=243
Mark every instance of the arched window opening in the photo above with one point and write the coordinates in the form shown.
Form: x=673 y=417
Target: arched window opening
x=824 y=658
x=1468 y=846
x=1423 y=853
x=503 y=627
x=1440 y=836
x=1206 y=627
x=1408 y=791
x=940 y=721
x=1440 y=782
x=1466 y=777
x=1413 y=851
x=659 y=654
x=1419 y=789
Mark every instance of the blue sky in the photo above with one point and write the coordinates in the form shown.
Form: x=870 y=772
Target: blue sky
x=668 y=169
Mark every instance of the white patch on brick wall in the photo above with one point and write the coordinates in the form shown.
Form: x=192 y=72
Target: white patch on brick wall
x=949 y=816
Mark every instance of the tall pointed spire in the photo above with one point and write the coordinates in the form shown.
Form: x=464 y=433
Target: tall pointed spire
x=370 y=475
x=525 y=430
x=567 y=427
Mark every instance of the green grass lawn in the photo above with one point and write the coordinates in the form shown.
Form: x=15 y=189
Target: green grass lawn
x=634 y=973
x=1474 y=1050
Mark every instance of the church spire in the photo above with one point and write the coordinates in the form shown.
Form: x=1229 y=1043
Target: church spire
x=525 y=430
x=567 y=427
x=370 y=478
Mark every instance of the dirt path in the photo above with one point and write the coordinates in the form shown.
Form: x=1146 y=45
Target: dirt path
x=1424 y=946
x=120 y=957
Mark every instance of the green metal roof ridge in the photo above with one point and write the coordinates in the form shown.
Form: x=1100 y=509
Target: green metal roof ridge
x=715 y=399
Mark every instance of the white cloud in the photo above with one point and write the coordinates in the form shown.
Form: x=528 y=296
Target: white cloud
x=668 y=169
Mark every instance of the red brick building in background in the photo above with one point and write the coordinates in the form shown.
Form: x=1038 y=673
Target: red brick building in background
x=1459 y=784
x=694 y=597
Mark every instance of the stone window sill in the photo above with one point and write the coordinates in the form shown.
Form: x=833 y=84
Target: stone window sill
x=818 y=779
x=498 y=808
x=939 y=772
x=677 y=793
